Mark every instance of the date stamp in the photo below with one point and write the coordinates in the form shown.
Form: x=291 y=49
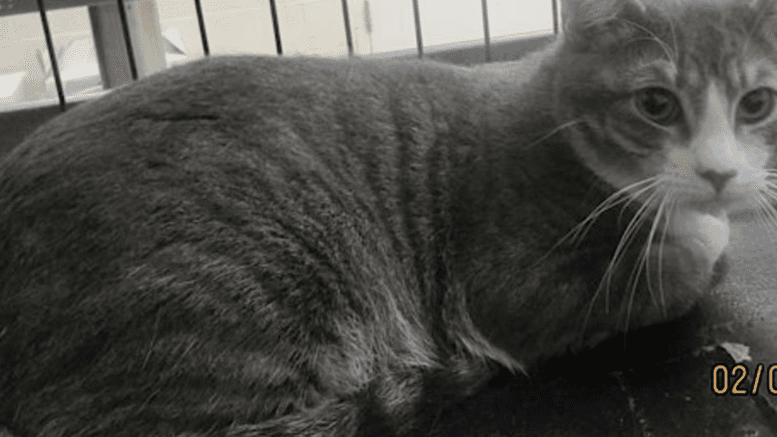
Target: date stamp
x=739 y=380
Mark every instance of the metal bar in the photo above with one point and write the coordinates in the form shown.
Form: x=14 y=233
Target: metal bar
x=348 y=36
x=419 y=40
x=125 y=29
x=486 y=31
x=556 y=24
x=203 y=32
x=276 y=28
x=109 y=45
x=52 y=56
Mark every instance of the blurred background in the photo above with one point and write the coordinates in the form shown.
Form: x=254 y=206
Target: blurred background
x=88 y=38
x=57 y=53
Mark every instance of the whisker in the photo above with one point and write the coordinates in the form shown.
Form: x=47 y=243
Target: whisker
x=764 y=215
x=631 y=228
x=671 y=54
x=664 y=210
x=641 y=263
x=769 y=187
x=656 y=180
x=578 y=232
x=632 y=286
x=653 y=228
x=667 y=220
x=626 y=236
x=584 y=226
x=768 y=175
x=769 y=215
x=554 y=132
x=762 y=200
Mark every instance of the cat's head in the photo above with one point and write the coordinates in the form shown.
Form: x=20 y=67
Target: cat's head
x=674 y=102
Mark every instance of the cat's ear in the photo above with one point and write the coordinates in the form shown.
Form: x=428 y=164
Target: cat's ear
x=591 y=24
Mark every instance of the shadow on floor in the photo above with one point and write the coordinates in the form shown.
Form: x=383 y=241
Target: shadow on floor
x=656 y=383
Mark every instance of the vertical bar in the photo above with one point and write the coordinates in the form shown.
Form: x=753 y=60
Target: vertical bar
x=348 y=36
x=368 y=22
x=125 y=28
x=556 y=24
x=486 y=31
x=109 y=46
x=146 y=36
x=419 y=40
x=276 y=28
x=203 y=32
x=52 y=56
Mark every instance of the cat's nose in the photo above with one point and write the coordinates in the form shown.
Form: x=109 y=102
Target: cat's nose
x=718 y=179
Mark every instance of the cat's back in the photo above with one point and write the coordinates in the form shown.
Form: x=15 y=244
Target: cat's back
x=189 y=236
x=263 y=105
x=246 y=90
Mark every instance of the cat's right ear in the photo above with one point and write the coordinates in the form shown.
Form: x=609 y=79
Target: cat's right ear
x=594 y=24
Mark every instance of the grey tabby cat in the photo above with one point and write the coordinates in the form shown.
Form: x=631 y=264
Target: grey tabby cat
x=307 y=247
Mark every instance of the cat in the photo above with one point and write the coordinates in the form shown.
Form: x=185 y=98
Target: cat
x=253 y=246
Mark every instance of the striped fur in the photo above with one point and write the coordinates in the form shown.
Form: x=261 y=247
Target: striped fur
x=305 y=247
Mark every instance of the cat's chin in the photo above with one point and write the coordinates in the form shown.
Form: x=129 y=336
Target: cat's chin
x=704 y=231
x=691 y=259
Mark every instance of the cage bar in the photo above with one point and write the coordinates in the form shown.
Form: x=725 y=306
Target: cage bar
x=52 y=56
x=347 y=21
x=127 y=41
x=486 y=31
x=556 y=10
x=418 y=38
x=203 y=32
x=276 y=28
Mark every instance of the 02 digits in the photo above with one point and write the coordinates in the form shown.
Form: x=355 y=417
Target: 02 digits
x=727 y=380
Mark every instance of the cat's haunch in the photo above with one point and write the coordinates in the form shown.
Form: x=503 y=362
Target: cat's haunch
x=254 y=246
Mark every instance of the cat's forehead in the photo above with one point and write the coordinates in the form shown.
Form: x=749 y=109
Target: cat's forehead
x=738 y=71
x=681 y=31
x=698 y=45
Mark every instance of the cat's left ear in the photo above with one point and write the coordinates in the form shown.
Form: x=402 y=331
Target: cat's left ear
x=594 y=24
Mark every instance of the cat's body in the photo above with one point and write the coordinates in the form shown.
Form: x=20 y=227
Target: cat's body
x=273 y=247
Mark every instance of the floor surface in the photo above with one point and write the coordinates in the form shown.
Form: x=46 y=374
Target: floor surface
x=661 y=382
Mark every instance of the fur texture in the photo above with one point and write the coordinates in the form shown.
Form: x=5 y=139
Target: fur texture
x=306 y=247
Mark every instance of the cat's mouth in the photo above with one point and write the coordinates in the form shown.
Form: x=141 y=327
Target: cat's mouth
x=716 y=207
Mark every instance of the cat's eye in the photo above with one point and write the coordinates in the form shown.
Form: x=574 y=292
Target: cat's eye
x=756 y=105
x=658 y=105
